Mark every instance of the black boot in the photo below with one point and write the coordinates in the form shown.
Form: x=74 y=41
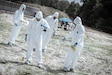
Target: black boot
x=9 y=43
x=65 y=69
x=72 y=70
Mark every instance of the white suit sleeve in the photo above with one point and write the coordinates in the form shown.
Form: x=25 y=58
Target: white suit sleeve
x=47 y=18
x=46 y=24
x=22 y=18
x=29 y=27
x=15 y=16
x=56 y=24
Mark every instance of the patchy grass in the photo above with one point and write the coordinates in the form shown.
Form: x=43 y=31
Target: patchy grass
x=5 y=26
x=94 y=60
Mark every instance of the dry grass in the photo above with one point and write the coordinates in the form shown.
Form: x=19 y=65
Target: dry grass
x=94 y=60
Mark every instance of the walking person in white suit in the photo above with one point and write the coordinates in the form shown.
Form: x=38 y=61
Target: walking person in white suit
x=76 y=47
x=17 y=19
x=34 y=37
x=53 y=23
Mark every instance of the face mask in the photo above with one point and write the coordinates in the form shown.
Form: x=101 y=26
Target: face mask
x=23 y=9
x=54 y=18
x=37 y=19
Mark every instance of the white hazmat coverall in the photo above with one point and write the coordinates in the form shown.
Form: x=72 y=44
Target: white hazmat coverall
x=34 y=33
x=53 y=23
x=18 y=18
x=77 y=36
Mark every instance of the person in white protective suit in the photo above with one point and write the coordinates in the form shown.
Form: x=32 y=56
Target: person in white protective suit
x=34 y=37
x=77 y=43
x=17 y=19
x=53 y=23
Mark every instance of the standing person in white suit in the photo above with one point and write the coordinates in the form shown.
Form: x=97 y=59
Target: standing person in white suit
x=53 y=23
x=76 y=47
x=17 y=19
x=34 y=37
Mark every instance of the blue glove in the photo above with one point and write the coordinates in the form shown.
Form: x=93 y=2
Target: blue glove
x=54 y=33
x=75 y=44
x=16 y=24
x=26 y=37
x=45 y=29
x=64 y=39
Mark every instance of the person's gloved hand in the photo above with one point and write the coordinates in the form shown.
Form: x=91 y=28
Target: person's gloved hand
x=64 y=39
x=16 y=24
x=26 y=37
x=45 y=29
x=73 y=47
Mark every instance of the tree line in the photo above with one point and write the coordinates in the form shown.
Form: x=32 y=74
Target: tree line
x=94 y=13
x=97 y=14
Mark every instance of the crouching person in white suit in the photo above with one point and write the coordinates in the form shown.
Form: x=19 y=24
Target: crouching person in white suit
x=34 y=37
x=75 y=49
x=17 y=19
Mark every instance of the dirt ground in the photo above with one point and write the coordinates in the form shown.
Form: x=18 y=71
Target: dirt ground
x=96 y=58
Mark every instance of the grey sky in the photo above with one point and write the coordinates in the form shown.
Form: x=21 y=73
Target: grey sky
x=77 y=1
x=74 y=0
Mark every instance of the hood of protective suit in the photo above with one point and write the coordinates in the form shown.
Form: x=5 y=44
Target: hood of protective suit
x=21 y=7
x=39 y=15
x=56 y=14
x=78 y=21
